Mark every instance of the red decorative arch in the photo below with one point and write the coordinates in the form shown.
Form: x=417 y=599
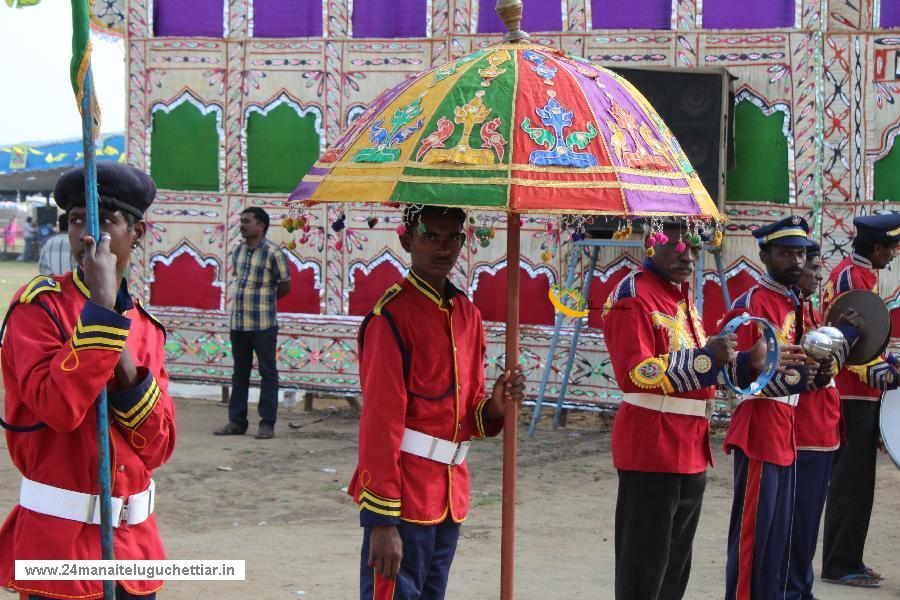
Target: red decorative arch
x=489 y=293
x=306 y=287
x=741 y=276
x=368 y=282
x=186 y=278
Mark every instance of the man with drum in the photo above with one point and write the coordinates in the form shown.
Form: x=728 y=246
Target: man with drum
x=852 y=489
x=667 y=369
x=761 y=434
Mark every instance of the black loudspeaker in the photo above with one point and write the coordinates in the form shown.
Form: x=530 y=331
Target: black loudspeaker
x=47 y=215
x=697 y=105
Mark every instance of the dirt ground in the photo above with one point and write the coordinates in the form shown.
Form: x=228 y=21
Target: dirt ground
x=281 y=509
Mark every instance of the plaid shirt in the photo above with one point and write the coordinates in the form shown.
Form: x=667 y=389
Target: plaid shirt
x=56 y=256
x=258 y=272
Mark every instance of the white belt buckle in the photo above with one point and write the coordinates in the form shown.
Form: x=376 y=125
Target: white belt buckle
x=459 y=455
x=123 y=514
x=94 y=517
x=434 y=444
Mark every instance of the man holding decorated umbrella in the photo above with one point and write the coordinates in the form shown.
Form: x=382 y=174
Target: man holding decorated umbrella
x=667 y=369
x=852 y=490
x=422 y=356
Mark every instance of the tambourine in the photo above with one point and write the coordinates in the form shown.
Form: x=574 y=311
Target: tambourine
x=772 y=354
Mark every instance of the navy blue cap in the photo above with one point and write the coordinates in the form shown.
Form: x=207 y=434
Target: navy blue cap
x=119 y=186
x=878 y=226
x=790 y=231
x=813 y=249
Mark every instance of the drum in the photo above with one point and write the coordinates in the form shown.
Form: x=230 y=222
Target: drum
x=890 y=424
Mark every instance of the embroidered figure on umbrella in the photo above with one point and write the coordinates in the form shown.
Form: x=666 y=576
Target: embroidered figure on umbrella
x=383 y=139
x=559 y=151
x=468 y=115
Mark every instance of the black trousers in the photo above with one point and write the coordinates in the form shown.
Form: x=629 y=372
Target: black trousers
x=656 y=519
x=243 y=345
x=852 y=492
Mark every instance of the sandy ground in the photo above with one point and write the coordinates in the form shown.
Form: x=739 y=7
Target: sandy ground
x=282 y=511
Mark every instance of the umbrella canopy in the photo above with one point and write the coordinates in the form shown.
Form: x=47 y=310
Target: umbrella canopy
x=517 y=127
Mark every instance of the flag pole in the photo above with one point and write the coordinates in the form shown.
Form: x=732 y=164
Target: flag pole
x=83 y=84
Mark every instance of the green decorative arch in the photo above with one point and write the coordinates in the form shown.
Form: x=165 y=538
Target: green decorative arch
x=184 y=144
x=283 y=140
x=886 y=174
x=762 y=153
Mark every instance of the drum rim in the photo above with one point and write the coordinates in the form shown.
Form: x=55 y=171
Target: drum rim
x=852 y=359
x=893 y=453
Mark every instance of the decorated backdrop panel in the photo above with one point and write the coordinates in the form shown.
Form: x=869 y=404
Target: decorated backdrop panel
x=229 y=105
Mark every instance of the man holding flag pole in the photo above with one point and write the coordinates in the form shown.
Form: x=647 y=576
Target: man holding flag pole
x=77 y=346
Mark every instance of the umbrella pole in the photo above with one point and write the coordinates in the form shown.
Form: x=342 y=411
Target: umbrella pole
x=510 y=422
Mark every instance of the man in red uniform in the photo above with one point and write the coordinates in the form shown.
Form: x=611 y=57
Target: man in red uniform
x=667 y=369
x=422 y=355
x=761 y=434
x=817 y=430
x=67 y=338
x=852 y=489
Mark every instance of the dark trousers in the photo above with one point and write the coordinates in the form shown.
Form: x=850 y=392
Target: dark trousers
x=759 y=530
x=852 y=492
x=427 y=554
x=813 y=471
x=656 y=518
x=121 y=594
x=243 y=345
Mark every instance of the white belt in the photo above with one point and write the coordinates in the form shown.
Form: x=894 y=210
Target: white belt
x=668 y=404
x=85 y=508
x=427 y=446
x=789 y=400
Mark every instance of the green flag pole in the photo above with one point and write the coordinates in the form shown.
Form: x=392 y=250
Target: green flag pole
x=83 y=86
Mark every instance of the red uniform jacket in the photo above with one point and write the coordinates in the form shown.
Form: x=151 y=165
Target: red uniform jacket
x=421 y=367
x=817 y=417
x=655 y=338
x=761 y=427
x=56 y=381
x=863 y=382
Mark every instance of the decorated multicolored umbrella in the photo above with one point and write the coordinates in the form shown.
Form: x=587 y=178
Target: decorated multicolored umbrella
x=519 y=128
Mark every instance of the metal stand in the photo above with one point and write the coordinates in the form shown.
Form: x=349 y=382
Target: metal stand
x=595 y=245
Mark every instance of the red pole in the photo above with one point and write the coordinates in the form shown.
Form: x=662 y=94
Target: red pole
x=510 y=423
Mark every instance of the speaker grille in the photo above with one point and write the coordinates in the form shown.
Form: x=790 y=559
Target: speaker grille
x=691 y=105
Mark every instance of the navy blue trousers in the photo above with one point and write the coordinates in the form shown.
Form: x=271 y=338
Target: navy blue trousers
x=813 y=472
x=243 y=345
x=427 y=555
x=759 y=530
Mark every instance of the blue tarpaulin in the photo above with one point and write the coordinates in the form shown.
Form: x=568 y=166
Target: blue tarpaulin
x=45 y=156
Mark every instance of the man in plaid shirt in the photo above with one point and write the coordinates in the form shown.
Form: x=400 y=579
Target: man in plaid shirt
x=262 y=275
